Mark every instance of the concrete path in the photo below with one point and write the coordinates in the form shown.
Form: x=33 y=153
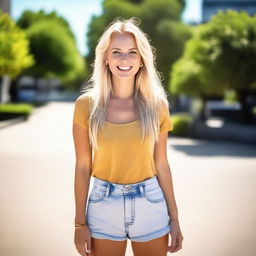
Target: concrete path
x=214 y=183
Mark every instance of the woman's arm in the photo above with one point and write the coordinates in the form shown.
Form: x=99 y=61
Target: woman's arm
x=83 y=153
x=164 y=174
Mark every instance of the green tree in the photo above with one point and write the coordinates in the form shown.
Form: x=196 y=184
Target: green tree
x=160 y=20
x=14 y=48
x=28 y=18
x=54 y=51
x=54 y=47
x=14 y=53
x=221 y=55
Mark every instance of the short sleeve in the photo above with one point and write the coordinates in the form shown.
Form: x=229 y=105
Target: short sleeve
x=165 y=120
x=81 y=110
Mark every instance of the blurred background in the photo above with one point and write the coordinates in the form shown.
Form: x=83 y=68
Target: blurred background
x=206 y=55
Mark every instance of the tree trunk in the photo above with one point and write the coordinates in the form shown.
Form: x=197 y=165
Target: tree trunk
x=4 y=89
x=14 y=90
x=246 y=110
x=202 y=111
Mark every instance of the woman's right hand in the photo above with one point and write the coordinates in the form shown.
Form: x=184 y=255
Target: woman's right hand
x=83 y=240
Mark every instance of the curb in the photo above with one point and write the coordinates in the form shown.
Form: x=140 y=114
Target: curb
x=6 y=123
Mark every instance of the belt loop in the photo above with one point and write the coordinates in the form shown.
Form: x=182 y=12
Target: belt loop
x=107 y=190
x=141 y=189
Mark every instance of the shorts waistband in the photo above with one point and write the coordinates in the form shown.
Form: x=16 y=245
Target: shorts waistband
x=148 y=181
x=125 y=189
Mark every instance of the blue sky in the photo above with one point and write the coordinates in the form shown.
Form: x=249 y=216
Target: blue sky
x=78 y=13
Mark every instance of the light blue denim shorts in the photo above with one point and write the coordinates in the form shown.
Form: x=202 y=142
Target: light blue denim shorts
x=135 y=211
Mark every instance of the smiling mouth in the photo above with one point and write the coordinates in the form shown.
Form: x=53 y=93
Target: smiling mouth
x=124 y=68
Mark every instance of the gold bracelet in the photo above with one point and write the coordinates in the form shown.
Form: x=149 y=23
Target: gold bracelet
x=78 y=225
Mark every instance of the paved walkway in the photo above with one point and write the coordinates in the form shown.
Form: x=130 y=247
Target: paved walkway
x=214 y=182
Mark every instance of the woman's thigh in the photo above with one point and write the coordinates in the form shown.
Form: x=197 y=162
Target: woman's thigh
x=154 y=247
x=107 y=247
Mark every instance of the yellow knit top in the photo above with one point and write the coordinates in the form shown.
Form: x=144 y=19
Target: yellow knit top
x=121 y=157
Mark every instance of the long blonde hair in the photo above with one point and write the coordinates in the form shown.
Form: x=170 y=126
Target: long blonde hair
x=149 y=94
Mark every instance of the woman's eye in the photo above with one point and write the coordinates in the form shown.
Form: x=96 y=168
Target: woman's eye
x=117 y=52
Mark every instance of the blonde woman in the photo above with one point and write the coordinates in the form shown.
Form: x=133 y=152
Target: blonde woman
x=120 y=130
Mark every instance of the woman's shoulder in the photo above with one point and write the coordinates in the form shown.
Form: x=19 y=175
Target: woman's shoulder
x=165 y=118
x=85 y=98
x=83 y=104
x=162 y=105
x=82 y=110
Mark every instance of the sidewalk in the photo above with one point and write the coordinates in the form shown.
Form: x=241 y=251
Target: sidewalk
x=214 y=185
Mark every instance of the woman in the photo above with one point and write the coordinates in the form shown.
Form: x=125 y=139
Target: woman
x=123 y=119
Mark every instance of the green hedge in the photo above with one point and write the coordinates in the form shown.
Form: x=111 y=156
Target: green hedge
x=181 y=124
x=13 y=110
x=22 y=108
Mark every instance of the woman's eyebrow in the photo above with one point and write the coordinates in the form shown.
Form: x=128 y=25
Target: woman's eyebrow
x=121 y=49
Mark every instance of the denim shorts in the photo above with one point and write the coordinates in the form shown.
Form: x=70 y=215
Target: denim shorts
x=135 y=211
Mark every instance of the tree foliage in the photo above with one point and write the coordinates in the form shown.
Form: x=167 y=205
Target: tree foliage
x=54 y=47
x=224 y=50
x=28 y=18
x=14 y=48
x=54 y=51
x=221 y=55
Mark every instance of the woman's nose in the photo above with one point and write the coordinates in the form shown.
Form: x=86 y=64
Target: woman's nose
x=124 y=56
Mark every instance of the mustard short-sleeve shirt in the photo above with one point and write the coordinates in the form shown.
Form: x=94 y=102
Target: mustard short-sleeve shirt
x=121 y=157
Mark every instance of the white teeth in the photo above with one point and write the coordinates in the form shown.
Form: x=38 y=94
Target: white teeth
x=124 y=68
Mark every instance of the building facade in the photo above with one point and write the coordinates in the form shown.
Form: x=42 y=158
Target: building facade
x=5 y=5
x=211 y=7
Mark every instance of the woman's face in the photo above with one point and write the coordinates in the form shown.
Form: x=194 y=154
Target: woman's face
x=123 y=56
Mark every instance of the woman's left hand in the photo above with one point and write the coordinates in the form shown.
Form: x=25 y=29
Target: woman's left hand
x=176 y=237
